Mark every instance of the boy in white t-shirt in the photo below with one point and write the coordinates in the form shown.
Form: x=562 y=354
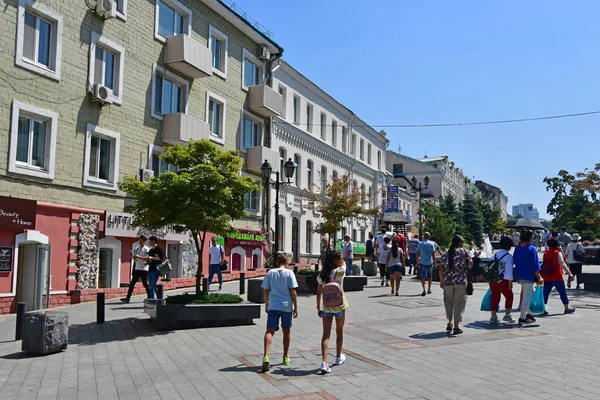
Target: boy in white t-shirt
x=139 y=271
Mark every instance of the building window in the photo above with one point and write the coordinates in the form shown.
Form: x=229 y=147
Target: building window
x=296 y=109
x=157 y=165
x=215 y=116
x=169 y=93
x=32 y=141
x=353 y=145
x=121 y=9
x=363 y=235
x=172 y=18
x=354 y=185
x=252 y=70
x=309 y=235
x=369 y=154
x=398 y=170
x=362 y=149
x=344 y=231
x=344 y=139
x=323 y=126
x=251 y=200
x=297 y=180
x=282 y=159
x=354 y=235
x=379 y=160
x=283 y=92
x=101 y=168
x=334 y=133
x=309 y=117
x=218 y=45
x=309 y=175
x=363 y=194
x=107 y=60
x=323 y=179
x=39 y=39
x=370 y=197
x=251 y=131
x=335 y=174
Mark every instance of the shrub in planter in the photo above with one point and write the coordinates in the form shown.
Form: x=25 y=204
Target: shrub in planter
x=305 y=272
x=203 y=298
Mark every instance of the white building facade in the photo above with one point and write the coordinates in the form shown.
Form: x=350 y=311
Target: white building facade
x=527 y=211
x=325 y=140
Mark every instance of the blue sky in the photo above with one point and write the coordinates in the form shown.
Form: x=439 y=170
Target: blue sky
x=423 y=62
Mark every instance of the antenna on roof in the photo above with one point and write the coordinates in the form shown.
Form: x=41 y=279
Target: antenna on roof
x=399 y=148
x=425 y=154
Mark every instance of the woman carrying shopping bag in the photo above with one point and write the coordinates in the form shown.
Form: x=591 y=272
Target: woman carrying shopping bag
x=501 y=281
x=454 y=266
x=552 y=272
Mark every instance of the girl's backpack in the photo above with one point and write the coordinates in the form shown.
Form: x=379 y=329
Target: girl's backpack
x=333 y=295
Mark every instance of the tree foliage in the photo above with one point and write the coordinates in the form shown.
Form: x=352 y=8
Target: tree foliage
x=472 y=219
x=491 y=217
x=441 y=225
x=205 y=195
x=449 y=207
x=340 y=203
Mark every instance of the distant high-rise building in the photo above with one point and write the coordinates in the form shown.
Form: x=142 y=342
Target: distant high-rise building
x=527 y=211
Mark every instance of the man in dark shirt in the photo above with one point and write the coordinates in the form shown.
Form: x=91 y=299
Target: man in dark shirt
x=370 y=249
x=156 y=255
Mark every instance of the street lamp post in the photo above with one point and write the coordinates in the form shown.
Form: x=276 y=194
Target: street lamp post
x=417 y=189
x=289 y=168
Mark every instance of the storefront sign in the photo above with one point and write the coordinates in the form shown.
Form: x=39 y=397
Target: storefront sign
x=396 y=217
x=6 y=259
x=247 y=238
x=119 y=224
x=17 y=213
x=392 y=199
x=359 y=247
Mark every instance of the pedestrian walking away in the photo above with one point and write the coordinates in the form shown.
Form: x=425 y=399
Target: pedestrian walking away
x=383 y=256
x=527 y=271
x=574 y=254
x=281 y=303
x=564 y=238
x=139 y=258
x=552 y=271
x=334 y=304
x=394 y=265
x=156 y=255
x=454 y=266
x=216 y=260
x=503 y=286
x=348 y=254
x=426 y=259
x=412 y=253
x=370 y=250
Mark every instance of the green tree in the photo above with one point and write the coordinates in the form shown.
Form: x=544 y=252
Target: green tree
x=205 y=195
x=339 y=204
x=450 y=208
x=440 y=225
x=472 y=219
x=491 y=217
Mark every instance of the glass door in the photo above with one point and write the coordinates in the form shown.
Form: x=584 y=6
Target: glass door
x=105 y=267
x=42 y=279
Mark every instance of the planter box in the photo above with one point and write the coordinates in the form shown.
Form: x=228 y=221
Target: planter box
x=182 y=316
x=307 y=283
x=354 y=283
x=255 y=291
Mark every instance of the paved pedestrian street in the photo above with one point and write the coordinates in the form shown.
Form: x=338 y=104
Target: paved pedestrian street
x=396 y=348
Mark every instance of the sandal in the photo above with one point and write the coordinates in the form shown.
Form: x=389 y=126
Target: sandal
x=457 y=331
x=449 y=328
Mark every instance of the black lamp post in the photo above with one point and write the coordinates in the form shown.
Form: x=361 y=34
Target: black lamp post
x=289 y=168
x=417 y=189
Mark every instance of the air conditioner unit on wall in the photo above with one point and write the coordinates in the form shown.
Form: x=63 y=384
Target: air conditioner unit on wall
x=146 y=175
x=101 y=94
x=265 y=54
x=106 y=8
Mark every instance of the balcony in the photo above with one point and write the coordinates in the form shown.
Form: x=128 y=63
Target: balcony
x=181 y=128
x=264 y=101
x=257 y=155
x=188 y=57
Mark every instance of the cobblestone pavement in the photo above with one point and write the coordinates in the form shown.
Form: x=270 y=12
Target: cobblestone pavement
x=396 y=348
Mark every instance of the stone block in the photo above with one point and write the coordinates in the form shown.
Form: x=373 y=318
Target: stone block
x=370 y=268
x=354 y=283
x=255 y=291
x=45 y=332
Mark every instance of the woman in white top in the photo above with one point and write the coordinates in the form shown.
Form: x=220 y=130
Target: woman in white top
x=394 y=265
x=504 y=286
x=574 y=266
x=383 y=256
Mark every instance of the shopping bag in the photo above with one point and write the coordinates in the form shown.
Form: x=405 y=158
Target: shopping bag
x=537 y=302
x=486 y=303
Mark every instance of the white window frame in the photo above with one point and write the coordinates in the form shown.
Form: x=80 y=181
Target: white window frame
x=218 y=99
x=259 y=121
x=157 y=69
x=247 y=55
x=19 y=109
x=361 y=149
x=223 y=38
x=353 y=144
x=104 y=42
x=296 y=111
x=152 y=150
x=283 y=88
x=178 y=7
x=369 y=153
x=122 y=10
x=104 y=134
x=40 y=10
x=323 y=123
x=297 y=176
x=344 y=139
x=309 y=116
x=257 y=212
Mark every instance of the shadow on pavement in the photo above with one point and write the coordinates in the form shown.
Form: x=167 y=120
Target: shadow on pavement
x=486 y=325
x=20 y=355
x=430 y=336
x=111 y=331
x=242 y=368
x=294 y=373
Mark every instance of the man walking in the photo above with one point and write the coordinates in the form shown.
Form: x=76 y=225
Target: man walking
x=527 y=271
x=140 y=268
x=156 y=255
x=413 y=243
x=348 y=254
x=426 y=261
x=215 y=260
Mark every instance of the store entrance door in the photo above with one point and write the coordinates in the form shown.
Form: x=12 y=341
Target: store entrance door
x=33 y=278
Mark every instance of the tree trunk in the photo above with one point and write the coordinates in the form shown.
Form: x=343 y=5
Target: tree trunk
x=200 y=263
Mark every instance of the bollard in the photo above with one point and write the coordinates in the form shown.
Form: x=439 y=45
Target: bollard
x=160 y=290
x=204 y=285
x=242 y=283
x=295 y=269
x=21 y=310
x=99 y=308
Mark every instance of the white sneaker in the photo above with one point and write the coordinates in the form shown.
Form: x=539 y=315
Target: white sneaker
x=325 y=368
x=220 y=289
x=340 y=360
